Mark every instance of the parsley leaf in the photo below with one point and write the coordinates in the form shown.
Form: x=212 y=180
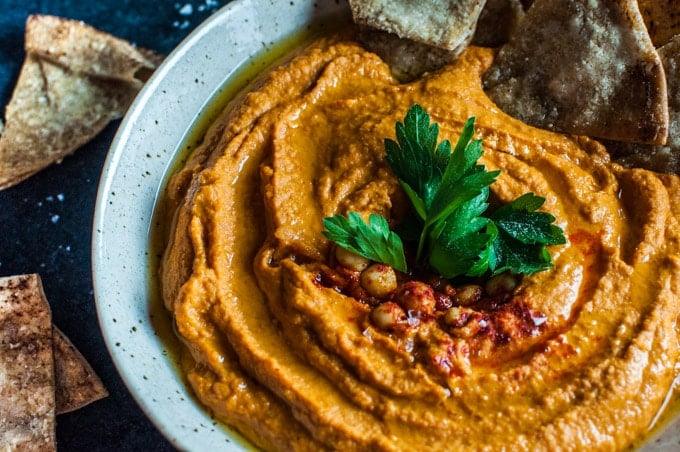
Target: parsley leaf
x=462 y=241
x=523 y=234
x=511 y=254
x=416 y=159
x=372 y=240
x=520 y=220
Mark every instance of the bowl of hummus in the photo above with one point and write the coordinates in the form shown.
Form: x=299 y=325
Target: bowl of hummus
x=261 y=325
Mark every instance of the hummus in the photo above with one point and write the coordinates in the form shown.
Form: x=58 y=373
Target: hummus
x=295 y=365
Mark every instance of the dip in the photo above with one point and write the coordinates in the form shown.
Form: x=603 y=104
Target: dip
x=295 y=365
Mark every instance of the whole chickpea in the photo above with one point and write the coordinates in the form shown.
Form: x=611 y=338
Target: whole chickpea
x=379 y=280
x=416 y=296
x=469 y=294
x=501 y=283
x=457 y=316
x=350 y=259
x=388 y=316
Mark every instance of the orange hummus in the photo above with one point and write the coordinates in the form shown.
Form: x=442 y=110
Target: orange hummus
x=294 y=365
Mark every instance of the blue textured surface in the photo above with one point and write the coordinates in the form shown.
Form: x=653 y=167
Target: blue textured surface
x=45 y=221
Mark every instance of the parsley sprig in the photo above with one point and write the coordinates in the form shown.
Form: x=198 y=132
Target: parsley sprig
x=449 y=192
x=372 y=240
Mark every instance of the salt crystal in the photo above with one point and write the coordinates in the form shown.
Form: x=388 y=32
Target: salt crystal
x=186 y=10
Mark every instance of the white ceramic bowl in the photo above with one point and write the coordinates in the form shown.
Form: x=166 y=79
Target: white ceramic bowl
x=147 y=143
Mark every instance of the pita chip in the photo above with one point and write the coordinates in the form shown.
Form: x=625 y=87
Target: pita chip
x=662 y=18
x=74 y=81
x=448 y=24
x=27 y=404
x=585 y=67
x=406 y=58
x=76 y=382
x=52 y=112
x=660 y=158
x=497 y=21
x=86 y=50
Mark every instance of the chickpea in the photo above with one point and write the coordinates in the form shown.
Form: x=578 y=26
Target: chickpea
x=379 y=280
x=469 y=294
x=502 y=283
x=452 y=316
x=416 y=296
x=457 y=316
x=350 y=259
x=464 y=322
x=387 y=316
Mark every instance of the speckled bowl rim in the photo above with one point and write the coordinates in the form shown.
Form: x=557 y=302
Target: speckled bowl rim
x=143 y=151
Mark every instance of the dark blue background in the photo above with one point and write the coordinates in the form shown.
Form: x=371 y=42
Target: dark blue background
x=45 y=222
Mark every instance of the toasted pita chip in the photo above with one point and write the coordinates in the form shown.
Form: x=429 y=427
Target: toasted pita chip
x=496 y=22
x=84 y=49
x=74 y=81
x=448 y=24
x=585 y=67
x=27 y=404
x=52 y=112
x=662 y=18
x=407 y=59
x=77 y=384
x=663 y=159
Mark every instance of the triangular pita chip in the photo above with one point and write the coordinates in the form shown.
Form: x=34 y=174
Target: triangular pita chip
x=661 y=158
x=448 y=24
x=74 y=81
x=585 y=67
x=27 y=404
x=84 y=49
x=53 y=111
x=662 y=18
x=76 y=383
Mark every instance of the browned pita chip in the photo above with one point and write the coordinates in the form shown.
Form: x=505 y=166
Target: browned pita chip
x=52 y=112
x=27 y=404
x=662 y=18
x=74 y=81
x=83 y=49
x=448 y=24
x=585 y=67
x=496 y=22
x=407 y=59
x=76 y=383
x=664 y=159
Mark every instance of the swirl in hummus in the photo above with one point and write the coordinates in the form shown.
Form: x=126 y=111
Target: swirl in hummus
x=295 y=365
